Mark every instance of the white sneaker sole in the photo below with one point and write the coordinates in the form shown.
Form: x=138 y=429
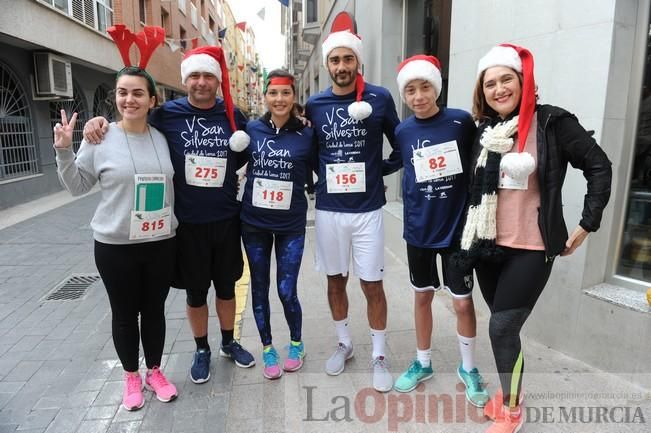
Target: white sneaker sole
x=226 y=355
x=421 y=380
x=343 y=367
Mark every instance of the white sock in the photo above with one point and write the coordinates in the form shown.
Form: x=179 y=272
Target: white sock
x=342 y=332
x=424 y=357
x=379 y=338
x=467 y=349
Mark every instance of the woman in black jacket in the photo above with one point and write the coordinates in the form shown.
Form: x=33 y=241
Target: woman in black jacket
x=514 y=224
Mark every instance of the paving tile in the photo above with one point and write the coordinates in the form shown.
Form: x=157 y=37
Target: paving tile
x=23 y=371
x=101 y=412
x=94 y=426
x=67 y=420
x=10 y=387
x=124 y=427
x=38 y=419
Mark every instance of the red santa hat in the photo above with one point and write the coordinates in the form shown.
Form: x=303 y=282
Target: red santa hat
x=212 y=61
x=420 y=67
x=342 y=35
x=519 y=59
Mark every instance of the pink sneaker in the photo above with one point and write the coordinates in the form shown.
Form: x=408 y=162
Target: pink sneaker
x=506 y=423
x=158 y=383
x=132 y=398
x=295 y=356
x=494 y=408
x=271 y=368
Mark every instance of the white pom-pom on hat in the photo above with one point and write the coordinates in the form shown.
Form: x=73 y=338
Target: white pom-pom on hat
x=360 y=110
x=239 y=141
x=518 y=166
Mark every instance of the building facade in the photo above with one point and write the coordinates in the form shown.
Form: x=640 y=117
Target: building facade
x=591 y=59
x=56 y=54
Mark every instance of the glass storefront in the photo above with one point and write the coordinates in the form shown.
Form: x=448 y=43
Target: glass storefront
x=635 y=260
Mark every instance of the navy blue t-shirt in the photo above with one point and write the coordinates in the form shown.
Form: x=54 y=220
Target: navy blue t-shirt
x=281 y=156
x=343 y=139
x=433 y=208
x=204 y=132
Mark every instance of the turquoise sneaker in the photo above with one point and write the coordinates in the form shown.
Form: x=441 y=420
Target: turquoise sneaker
x=414 y=375
x=475 y=391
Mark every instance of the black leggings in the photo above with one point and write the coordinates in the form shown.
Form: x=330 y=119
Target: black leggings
x=511 y=289
x=137 y=279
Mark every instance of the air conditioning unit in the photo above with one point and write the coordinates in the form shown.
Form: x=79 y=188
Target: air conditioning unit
x=53 y=75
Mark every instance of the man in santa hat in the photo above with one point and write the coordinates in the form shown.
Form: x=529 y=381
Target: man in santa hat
x=350 y=119
x=202 y=132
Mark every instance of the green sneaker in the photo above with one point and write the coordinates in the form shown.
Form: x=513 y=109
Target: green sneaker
x=475 y=391
x=414 y=375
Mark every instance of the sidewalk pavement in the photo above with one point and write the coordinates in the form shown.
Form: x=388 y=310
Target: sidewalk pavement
x=59 y=371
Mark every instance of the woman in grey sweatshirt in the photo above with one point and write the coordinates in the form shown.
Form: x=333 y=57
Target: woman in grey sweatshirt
x=134 y=226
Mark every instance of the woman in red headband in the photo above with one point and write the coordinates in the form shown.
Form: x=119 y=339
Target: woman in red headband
x=273 y=214
x=514 y=226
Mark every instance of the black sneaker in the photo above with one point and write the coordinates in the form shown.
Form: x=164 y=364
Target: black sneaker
x=237 y=353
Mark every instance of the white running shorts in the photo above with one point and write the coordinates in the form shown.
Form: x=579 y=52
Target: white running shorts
x=337 y=233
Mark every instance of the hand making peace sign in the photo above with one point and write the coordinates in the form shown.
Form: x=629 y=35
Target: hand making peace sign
x=63 y=131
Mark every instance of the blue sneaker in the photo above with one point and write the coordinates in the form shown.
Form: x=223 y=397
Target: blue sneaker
x=475 y=391
x=414 y=375
x=237 y=353
x=200 y=370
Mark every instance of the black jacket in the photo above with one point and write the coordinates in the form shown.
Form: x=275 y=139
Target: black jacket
x=561 y=139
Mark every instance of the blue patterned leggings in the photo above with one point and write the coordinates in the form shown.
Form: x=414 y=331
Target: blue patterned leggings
x=289 y=252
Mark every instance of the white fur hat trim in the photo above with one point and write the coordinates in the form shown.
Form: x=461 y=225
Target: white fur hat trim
x=200 y=63
x=343 y=39
x=419 y=70
x=500 y=56
x=239 y=141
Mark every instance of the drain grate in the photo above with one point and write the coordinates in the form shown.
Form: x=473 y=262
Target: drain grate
x=74 y=287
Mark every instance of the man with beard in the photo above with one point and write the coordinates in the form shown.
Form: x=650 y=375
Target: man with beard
x=350 y=118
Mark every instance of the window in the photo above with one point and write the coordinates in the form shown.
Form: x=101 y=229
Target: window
x=17 y=150
x=635 y=259
x=104 y=15
x=311 y=11
x=182 y=37
x=97 y=14
x=104 y=102
x=182 y=6
x=193 y=15
x=165 y=22
x=61 y=5
x=142 y=10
